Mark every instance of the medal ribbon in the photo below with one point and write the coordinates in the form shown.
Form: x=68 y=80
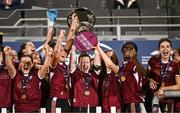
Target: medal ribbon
x=87 y=80
x=24 y=82
x=164 y=72
x=106 y=81
x=66 y=74
x=122 y=73
x=123 y=67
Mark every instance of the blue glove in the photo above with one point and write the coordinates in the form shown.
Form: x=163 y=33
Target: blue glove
x=52 y=14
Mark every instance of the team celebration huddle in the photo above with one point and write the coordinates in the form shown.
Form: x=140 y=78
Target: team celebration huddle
x=30 y=80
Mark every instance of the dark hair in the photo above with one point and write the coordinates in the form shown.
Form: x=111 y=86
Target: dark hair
x=114 y=57
x=2 y=50
x=20 y=52
x=83 y=54
x=52 y=43
x=177 y=50
x=164 y=40
x=131 y=43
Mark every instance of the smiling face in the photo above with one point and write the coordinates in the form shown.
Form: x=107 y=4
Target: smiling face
x=85 y=64
x=126 y=50
x=25 y=64
x=36 y=58
x=176 y=55
x=29 y=48
x=14 y=56
x=165 y=50
x=63 y=55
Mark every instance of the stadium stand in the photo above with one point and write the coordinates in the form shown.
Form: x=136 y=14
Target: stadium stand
x=119 y=24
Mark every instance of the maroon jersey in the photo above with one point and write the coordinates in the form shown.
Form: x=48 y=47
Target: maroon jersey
x=177 y=100
x=5 y=88
x=131 y=83
x=80 y=96
x=111 y=92
x=16 y=64
x=154 y=67
x=177 y=104
x=59 y=85
x=33 y=93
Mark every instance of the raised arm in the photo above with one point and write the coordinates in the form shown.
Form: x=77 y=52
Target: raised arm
x=73 y=59
x=97 y=61
x=71 y=33
x=44 y=69
x=49 y=36
x=107 y=60
x=8 y=61
x=160 y=92
x=58 y=48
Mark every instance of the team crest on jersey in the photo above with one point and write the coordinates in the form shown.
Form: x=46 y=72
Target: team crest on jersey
x=19 y=86
x=157 y=71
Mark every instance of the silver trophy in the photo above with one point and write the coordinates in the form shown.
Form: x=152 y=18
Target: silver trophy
x=86 y=19
x=85 y=40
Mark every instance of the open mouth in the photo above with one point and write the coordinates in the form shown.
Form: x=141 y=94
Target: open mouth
x=26 y=67
x=63 y=56
x=32 y=50
x=36 y=58
x=85 y=69
x=165 y=53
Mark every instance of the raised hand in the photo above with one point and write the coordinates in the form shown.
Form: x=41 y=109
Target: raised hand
x=75 y=22
x=7 y=50
x=133 y=54
x=62 y=34
x=48 y=50
x=97 y=47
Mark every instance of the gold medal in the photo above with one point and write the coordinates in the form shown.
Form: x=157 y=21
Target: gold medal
x=23 y=96
x=123 y=78
x=66 y=86
x=86 y=93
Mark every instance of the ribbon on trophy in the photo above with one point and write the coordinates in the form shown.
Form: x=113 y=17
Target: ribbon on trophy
x=85 y=39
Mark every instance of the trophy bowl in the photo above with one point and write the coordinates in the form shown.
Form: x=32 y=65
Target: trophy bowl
x=86 y=19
